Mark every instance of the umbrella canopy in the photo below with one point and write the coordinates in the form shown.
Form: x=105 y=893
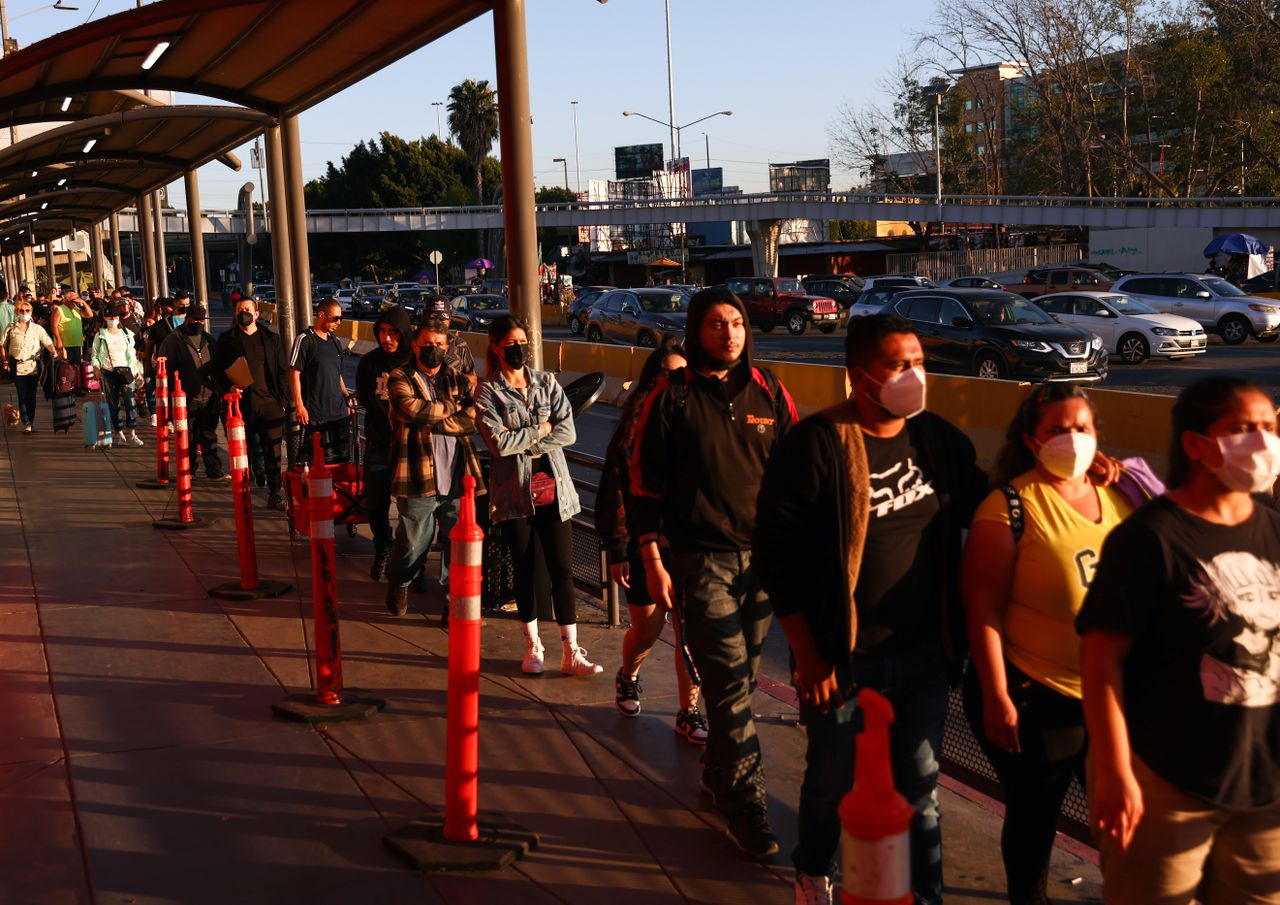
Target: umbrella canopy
x=1234 y=244
x=478 y=263
x=663 y=262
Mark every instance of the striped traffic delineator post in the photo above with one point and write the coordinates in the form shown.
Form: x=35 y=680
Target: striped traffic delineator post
x=329 y=704
x=463 y=840
x=186 y=519
x=250 y=586
x=161 y=480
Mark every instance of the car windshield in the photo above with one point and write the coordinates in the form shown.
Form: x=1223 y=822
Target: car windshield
x=790 y=286
x=1008 y=311
x=1219 y=286
x=487 y=304
x=663 y=302
x=1126 y=305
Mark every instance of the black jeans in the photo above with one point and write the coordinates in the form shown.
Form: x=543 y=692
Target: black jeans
x=544 y=533
x=377 y=497
x=264 y=421
x=726 y=618
x=26 y=386
x=335 y=439
x=202 y=430
x=1035 y=780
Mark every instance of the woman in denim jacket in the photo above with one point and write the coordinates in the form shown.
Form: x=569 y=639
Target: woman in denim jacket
x=526 y=421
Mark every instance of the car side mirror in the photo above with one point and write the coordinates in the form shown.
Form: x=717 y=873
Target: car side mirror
x=1202 y=294
x=962 y=322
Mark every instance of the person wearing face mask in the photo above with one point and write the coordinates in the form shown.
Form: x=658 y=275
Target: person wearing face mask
x=318 y=388
x=188 y=351
x=526 y=421
x=20 y=346
x=1180 y=656
x=119 y=371
x=1028 y=562
x=858 y=542
x=432 y=417
x=263 y=401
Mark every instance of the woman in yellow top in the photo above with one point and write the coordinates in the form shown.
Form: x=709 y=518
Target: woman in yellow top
x=68 y=325
x=1028 y=562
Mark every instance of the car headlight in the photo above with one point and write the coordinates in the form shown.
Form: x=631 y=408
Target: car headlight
x=1030 y=345
x=663 y=325
x=481 y=320
x=1164 y=331
x=1265 y=309
x=1097 y=342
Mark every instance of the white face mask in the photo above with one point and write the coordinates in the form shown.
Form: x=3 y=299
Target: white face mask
x=1250 y=461
x=113 y=322
x=1068 y=456
x=903 y=394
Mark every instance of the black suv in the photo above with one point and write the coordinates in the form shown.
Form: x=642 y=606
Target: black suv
x=844 y=291
x=995 y=334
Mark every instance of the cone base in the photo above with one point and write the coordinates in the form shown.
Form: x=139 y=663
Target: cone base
x=304 y=708
x=156 y=485
x=502 y=842
x=266 y=588
x=176 y=524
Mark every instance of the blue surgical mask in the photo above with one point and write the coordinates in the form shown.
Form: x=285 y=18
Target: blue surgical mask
x=178 y=319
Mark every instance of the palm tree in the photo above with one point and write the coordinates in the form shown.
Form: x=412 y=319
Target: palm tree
x=473 y=119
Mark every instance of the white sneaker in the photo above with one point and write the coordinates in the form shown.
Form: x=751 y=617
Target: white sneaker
x=134 y=439
x=153 y=419
x=532 y=663
x=574 y=662
x=813 y=890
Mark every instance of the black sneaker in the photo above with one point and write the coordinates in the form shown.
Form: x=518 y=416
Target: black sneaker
x=692 y=725
x=276 y=501
x=628 y=694
x=750 y=831
x=379 y=569
x=397 y=600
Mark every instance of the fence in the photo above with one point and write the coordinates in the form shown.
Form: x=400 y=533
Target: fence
x=946 y=265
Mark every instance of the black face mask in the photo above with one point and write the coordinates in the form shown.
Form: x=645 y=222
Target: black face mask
x=245 y=318
x=193 y=329
x=514 y=355
x=431 y=356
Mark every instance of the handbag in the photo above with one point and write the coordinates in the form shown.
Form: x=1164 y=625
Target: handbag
x=25 y=368
x=542 y=487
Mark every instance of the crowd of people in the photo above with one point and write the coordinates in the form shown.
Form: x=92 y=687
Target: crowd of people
x=1101 y=625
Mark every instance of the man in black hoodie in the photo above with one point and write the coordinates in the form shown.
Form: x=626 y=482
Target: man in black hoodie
x=392 y=330
x=704 y=436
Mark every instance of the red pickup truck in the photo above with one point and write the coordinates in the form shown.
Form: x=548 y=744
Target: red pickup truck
x=783 y=302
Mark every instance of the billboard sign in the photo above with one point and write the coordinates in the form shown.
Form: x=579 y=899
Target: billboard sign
x=637 y=161
x=708 y=181
x=800 y=176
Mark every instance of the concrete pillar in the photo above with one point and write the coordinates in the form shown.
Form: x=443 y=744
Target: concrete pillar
x=95 y=260
x=117 y=262
x=281 y=260
x=162 y=262
x=72 y=278
x=145 y=246
x=296 y=206
x=51 y=270
x=10 y=274
x=195 y=225
x=764 y=246
x=29 y=259
x=516 y=148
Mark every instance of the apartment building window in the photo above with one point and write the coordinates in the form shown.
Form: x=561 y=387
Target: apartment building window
x=968 y=127
x=968 y=103
x=982 y=150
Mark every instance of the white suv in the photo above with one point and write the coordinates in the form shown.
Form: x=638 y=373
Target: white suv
x=1129 y=329
x=1211 y=301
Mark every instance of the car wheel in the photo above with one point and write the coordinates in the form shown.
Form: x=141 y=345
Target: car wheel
x=828 y=328
x=1133 y=348
x=646 y=340
x=1234 y=329
x=1268 y=339
x=575 y=326
x=796 y=323
x=989 y=366
x=594 y=335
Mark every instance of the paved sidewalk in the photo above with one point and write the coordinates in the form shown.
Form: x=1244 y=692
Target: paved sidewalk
x=140 y=762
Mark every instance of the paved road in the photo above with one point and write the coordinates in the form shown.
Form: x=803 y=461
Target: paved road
x=1254 y=360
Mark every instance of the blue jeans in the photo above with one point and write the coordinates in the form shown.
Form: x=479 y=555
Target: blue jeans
x=418 y=516
x=377 y=497
x=915 y=682
x=119 y=394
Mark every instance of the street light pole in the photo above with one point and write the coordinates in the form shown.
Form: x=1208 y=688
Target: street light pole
x=577 y=158
x=439 y=127
x=708 y=141
x=671 y=92
x=566 y=171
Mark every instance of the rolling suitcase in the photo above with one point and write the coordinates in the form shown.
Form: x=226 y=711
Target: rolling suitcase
x=89 y=378
x=96 y=423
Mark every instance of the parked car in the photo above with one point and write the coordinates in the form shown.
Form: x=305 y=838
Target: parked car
x=1210 y=301
x=972 y=283
x=996 y=334
x=1129 y=328
x=474 y=311
x=907 y=280
x=266 y=292
x=1060 y=278
x=324 y=291
x=845 y=292
x=638 y=317
x=1112 y=271
x=783 y=302
x=347 y=299
x=578 y=308
x=370 y=301
x=873 y=300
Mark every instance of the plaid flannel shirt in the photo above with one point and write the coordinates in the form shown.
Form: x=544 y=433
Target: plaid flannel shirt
x=415 y=416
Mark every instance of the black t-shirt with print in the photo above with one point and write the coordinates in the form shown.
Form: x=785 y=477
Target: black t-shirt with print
x=1202 y=681
x=897 y=593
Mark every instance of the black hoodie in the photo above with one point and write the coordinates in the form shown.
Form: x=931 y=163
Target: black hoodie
x=371 y=382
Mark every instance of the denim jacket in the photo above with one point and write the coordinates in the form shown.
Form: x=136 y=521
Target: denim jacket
x=509 y=425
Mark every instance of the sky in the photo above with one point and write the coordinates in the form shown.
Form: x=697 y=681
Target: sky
x=783 y=69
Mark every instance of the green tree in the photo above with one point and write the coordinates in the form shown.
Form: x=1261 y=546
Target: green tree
x=473 y=120
x=838 y=230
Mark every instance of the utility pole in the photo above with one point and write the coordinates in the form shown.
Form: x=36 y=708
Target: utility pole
x=671 y=92
x=577 y=158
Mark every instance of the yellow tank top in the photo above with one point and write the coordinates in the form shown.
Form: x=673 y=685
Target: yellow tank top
x=70 y=327
x=1057 y=557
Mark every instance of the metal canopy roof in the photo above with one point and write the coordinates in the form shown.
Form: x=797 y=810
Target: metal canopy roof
x=277 y=56
x=70 y=108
